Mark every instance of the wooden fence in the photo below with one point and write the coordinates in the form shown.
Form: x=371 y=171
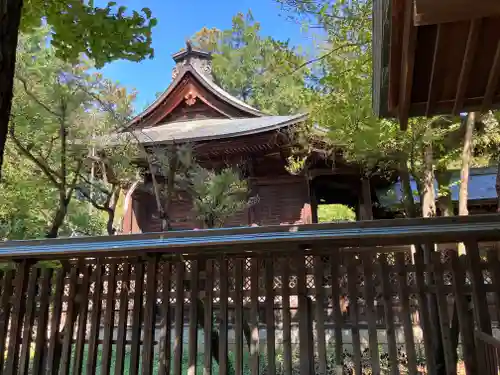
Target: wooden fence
x=120 y=305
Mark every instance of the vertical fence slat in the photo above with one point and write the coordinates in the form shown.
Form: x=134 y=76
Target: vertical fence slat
x=494 y=267
x=18 y=310
x=443 y=313
x=389 y=315
x=137 y=317
x=270 y=329
x=320 y=313
x=55 y=322
x=193 y=319
x=82 y=320
x=24 y=359
x=121 y=335
x=481 y=313
x=179 y=316
x=238 y=301
x=223 y=276
x=149 y=318
x=404 y=298
x=5 y=312
x=423 y=312
x=95 y=320
x=337 y=313
x=208 y=318
x=306 y=357
x=67 y=339
x=43 y=315
x=108 y=321
x=370 y=313
x=464 y=317
x=165 y=332
x=352 y=281
x=287 y=321
x=254 y=316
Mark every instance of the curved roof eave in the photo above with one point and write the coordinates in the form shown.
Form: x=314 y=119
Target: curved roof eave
x=209 y=85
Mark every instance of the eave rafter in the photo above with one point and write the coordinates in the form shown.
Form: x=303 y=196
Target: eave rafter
x=470 y=51
x=407 y=64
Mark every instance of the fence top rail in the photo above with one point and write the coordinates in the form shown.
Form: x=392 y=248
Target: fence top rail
x=488 y=339
x=270 y=238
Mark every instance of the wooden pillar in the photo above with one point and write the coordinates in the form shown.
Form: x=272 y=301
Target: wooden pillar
x=314 y=201
x=365 y=201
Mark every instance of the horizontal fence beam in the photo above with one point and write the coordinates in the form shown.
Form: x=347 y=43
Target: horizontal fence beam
x=259 y=239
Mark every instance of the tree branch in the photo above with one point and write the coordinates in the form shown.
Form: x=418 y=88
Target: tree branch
x=329 y=53
x=39 y=163
x=33 y=96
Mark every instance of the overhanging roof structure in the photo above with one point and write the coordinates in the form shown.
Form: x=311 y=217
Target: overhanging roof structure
x=435 y=57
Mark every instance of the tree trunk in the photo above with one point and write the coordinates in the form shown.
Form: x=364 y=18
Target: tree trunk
x=428 y=196
x=10 y=19
x=58 y=221
x=408 y=201
x=464 y=173
x=444 y=200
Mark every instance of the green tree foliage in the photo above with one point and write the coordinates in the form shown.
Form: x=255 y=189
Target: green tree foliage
x=261 y=71
x=217 y=195
x=55 y=111
x=335 y=212
x=103 y=34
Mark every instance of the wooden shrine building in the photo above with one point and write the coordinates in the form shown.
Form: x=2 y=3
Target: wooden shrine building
x=225 y=131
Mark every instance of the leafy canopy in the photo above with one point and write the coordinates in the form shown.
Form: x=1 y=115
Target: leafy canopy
x=259 y=70
x=102 y=33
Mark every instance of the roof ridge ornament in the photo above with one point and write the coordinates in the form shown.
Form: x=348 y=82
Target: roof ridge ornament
x=198 y=59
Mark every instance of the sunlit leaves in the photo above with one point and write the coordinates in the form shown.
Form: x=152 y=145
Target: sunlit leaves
x=103 y=34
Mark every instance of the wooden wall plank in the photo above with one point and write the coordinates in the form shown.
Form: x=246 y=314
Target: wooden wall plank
x=165 y=347
x=95 y=319
x=137 y=317
x=82 y=320
x=41 y=324
x=423 y=310
x=352 y=285
x=370 y=313
x=149 y=318
x=69 y=326
x=306 y=351
x=254 y=316
x=179 y=316
x=223 y=283
x=193 y=319
x=494 y=268
x=208 y=318
x=121 y=335
x=481 y=313
x=466 y=323
x=388 y=314
x=55 y=322
x=24 y=359
x=108 y=320
x=18 y=310
x=270 y=327
x=320 y=313
x=5 y=311
x=337 y=312
x=404 y=297
x=238 y=304
x=443 y=312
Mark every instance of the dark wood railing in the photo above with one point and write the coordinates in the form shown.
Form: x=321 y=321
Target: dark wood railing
x=275 y=300
x=488 y=353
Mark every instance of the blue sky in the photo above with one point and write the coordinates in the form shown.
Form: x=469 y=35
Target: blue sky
x=177 y=21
